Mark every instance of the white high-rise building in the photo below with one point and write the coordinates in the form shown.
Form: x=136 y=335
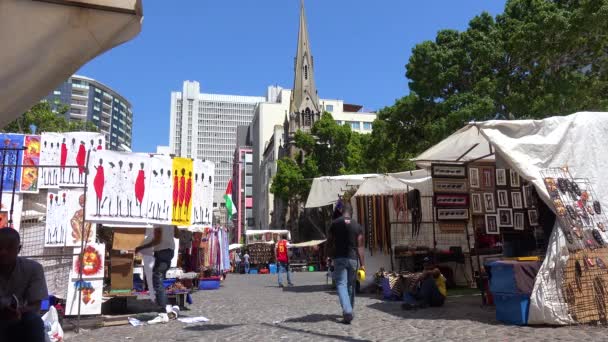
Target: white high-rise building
x=203 y=126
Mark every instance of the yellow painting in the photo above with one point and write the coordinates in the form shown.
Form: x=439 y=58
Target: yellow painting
x=182 y=191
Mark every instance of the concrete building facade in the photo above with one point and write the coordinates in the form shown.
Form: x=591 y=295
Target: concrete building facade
x=93 y=101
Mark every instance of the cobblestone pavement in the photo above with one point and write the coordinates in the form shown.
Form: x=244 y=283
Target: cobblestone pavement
x=254 y=308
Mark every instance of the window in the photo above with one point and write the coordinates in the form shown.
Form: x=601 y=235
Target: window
x=367 y=126
x=355 y=125
x=57 y=92
x=329 y=108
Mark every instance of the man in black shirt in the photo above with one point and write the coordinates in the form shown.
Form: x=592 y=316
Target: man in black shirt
x=346 y=244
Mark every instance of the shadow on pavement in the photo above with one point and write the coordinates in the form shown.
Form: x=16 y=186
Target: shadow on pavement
x=336 y=337
x=313 y=318
x=210 y=327
x=307 y=288
x=455 y=308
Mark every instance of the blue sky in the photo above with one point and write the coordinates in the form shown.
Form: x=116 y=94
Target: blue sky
x=242 y=46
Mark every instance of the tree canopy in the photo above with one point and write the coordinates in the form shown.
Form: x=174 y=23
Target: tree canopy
x=45 y=120
x=539 y=58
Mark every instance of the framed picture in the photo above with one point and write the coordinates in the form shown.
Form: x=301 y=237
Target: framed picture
x=501 y=177
x=452 y=214
x=451 y=200
x=516 y=200
x=448 y=171
x=487 y=178
x=474 y=177
x=488 y=202
x=479 y=224
x=503 y=198
x=505 y=217
x=518 y=221
x=492 y=224
x=529 y=196
x=514 y=176
x=533 y=217
x=476 y=205
x=450 y=185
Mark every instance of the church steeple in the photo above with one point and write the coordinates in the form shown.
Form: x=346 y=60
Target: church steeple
x=304 y=98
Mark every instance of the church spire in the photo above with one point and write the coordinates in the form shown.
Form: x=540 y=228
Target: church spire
x=304 y=94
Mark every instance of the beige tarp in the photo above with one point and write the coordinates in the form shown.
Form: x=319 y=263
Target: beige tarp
x=43 y=43
x=310 y=243
x=325 y=190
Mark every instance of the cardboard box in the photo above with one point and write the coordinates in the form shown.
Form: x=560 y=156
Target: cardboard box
x=121 y=272
x=127 y=239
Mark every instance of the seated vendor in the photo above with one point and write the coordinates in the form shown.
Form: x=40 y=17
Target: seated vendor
x=427 y=290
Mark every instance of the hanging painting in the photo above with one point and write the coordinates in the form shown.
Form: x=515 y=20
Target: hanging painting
x=31 y=160
x=89 y=292
x=182 y=191
x=11 y=155
x=92 y=262
x=202 y=192
x=50 y=152
x=117 y=187
x=64 y=217
x=160 y=190
x=208 y=188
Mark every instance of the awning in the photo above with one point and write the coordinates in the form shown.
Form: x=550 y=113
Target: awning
x=43 y=42
x=382 y=185
x=466 y=144
x=235 y=246
x=311 y=243
x=261 y=232
x=325 y=190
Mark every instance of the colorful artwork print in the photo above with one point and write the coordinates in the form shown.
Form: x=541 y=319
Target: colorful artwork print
x=117 y=184
x=182 y=191
x=11 y=155
x=160 y=190
x=202 y=192
x=31 y=159
x=69 y=152
x=92 y=262
x=64 y=219
x=90 y=294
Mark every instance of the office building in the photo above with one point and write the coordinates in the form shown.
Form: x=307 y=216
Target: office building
x=203 y=126
x=91 y=100
x=242 y=181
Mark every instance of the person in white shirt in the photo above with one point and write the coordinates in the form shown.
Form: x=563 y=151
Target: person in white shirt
x=163 y=245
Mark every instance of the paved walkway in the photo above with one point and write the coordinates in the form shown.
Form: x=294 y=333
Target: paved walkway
x=252 y=308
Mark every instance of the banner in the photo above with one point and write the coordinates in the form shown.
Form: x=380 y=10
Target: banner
x=11 y=158
x=31 y=156
x=182 y=191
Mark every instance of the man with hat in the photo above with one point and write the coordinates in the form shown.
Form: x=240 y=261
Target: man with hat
x=428 y=289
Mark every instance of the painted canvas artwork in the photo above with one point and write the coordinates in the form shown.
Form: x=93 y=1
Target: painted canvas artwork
x=90 y=293
x=202 y=189
x=208 y=184
x=160 y=191
x=49 y=157
x=11 y=157
x=93 y=260
x=64 y=213
x=31 y=159
x=118 y=187
x=182 y=191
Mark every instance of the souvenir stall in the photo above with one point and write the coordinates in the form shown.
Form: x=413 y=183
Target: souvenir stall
x=542 y=197
x=307 y=256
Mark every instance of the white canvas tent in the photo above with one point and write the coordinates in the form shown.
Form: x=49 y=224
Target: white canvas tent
x=325 y=190
x=578 y=141
x=381 y=185
x=46 y=41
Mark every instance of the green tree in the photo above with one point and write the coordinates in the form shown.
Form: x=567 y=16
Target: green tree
x=42 y=116
x=539 y=58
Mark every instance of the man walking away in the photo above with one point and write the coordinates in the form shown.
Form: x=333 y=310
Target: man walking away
x=246 y=258
x=282 y=261
x=346 y=244
x=164 y=246
x=22 y=289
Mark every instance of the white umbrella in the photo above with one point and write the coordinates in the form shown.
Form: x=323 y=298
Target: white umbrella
x=43 y=42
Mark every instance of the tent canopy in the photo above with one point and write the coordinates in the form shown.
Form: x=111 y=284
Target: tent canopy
x=464 y=145
x=382 y=185
x=325 y=190
x=235 y=246
x=310 y=243
x=46 y=41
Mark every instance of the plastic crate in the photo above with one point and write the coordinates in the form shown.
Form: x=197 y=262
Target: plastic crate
x=253 y=271
x=208 y=284
x=272 y=268
x=512 y=308
x=502 y=278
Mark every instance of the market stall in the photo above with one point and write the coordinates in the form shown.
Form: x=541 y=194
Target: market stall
x=307 y=256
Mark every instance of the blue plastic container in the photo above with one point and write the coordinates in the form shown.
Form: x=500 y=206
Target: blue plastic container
x=512 y=308
x=45 y=304
x=272 y=268
x=205 y=284
x=253 y=271
x=168 y=282
x=502 y=278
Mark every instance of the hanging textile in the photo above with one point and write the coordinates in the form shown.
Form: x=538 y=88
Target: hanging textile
x=413 y=203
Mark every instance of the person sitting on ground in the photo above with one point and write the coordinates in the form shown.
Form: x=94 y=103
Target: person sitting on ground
x=22 y=289
x=428 y=290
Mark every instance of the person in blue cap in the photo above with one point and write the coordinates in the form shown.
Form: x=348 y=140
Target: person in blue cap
x=428 y=290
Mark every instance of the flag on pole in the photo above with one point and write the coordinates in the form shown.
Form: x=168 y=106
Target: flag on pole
x=230 y=207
